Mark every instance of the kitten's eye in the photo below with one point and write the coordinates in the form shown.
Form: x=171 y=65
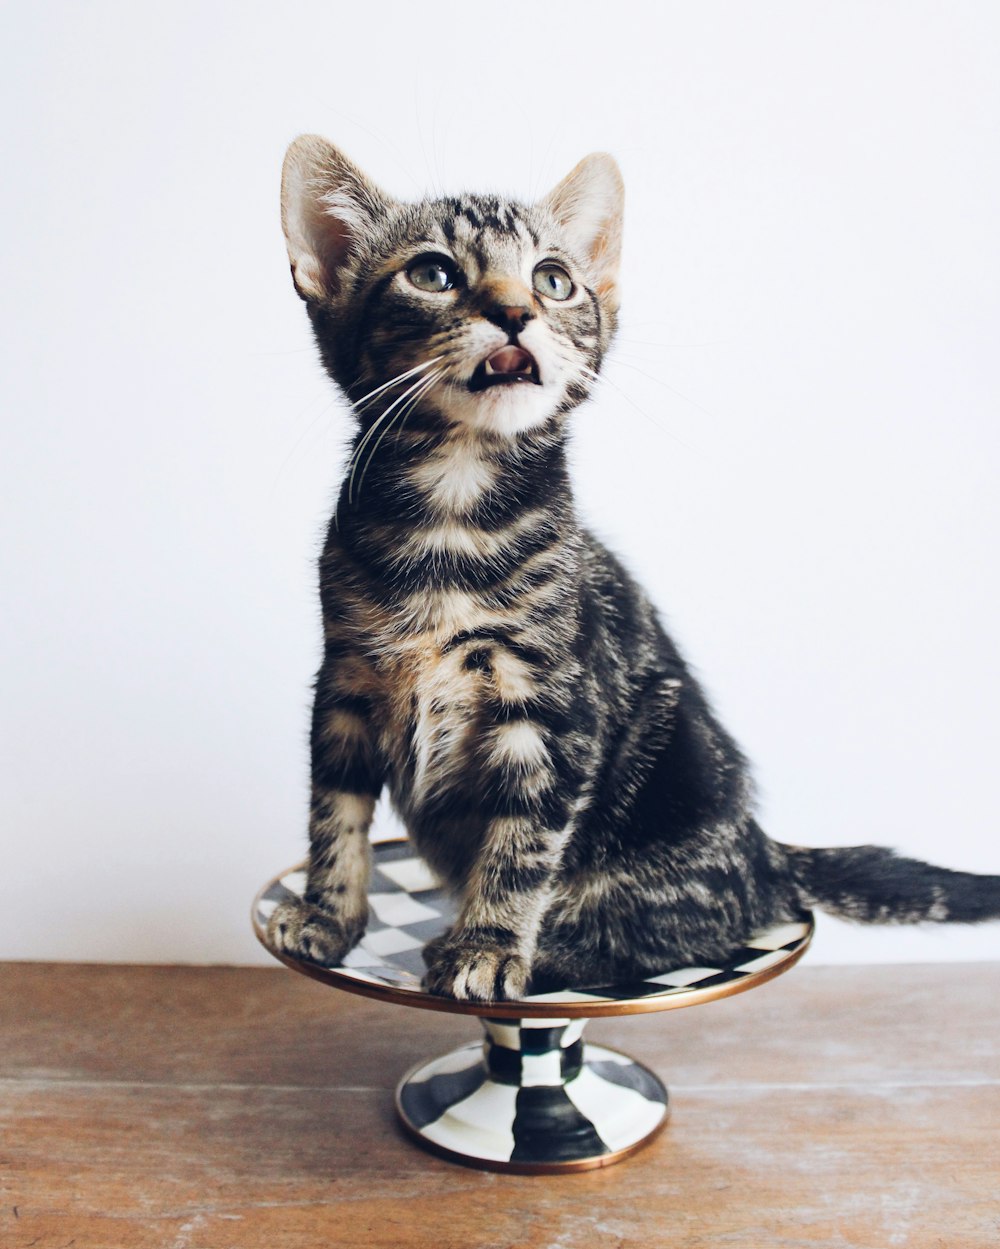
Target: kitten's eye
x=434 y=273
x=553 y=282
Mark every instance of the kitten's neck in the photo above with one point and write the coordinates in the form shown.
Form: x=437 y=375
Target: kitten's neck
x=447 y=525
x=432 y=472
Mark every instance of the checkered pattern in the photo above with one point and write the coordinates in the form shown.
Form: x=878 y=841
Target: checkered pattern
x=408 y=907
x=540 y=1098
x=533 y=1053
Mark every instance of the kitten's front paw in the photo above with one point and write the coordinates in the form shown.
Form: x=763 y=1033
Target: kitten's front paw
x=302 y=930
x=473 y=971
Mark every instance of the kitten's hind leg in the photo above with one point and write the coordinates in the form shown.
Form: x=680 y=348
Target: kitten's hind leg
x=330 y=918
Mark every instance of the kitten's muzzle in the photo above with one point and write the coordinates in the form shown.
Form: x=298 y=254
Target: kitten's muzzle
x=506 y=366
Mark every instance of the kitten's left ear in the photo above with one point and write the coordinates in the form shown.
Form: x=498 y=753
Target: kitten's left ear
x=589 y=204
x=327 y=205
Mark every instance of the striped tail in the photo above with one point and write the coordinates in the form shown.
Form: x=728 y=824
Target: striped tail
x=877 y=886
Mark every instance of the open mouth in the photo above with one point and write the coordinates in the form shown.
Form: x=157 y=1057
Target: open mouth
x=505 y=367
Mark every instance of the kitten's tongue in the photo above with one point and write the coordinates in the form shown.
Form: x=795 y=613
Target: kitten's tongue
x=510 y=359
x=507 y=366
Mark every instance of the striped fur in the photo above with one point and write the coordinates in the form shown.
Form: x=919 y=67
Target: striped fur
x=485 y=657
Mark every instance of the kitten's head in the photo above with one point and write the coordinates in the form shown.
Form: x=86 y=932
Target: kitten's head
x=495 y=313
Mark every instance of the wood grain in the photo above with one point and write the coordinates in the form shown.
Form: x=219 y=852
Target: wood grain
x=222 y=1108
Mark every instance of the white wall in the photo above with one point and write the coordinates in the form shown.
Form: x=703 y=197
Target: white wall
x=796 y=449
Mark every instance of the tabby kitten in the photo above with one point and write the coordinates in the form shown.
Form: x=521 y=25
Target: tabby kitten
x=485 y=657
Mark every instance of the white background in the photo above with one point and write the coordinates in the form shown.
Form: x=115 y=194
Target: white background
x=796 y=448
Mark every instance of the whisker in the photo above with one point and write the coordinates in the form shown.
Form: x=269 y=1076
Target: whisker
x=660 y=382
x=425 y=385
x=603 y=377
x=356 y=457
x=412 y=404
x=372 y=429
x=358 y=404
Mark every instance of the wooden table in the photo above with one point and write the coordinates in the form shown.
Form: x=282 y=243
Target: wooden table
x=231 y=1108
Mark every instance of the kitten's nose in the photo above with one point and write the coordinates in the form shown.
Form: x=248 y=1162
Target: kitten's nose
x=513 y=319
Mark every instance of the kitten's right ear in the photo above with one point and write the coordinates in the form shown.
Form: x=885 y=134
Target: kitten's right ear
x=588 y=204
x=327 y=204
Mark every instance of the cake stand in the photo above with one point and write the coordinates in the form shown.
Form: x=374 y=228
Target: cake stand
x=531 y=1097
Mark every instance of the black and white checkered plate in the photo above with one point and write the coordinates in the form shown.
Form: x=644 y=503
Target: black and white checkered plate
x=408 y=907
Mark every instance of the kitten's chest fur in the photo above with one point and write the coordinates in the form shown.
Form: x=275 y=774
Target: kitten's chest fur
x=429 y=704
x=433 y=704
x=431 y=669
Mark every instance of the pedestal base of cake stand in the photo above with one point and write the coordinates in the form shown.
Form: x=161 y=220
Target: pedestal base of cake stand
x=533 y=1097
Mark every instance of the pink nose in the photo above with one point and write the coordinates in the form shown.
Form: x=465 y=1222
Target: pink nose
x=510 y=360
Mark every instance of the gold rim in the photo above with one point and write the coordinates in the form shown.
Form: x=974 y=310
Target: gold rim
x=533 y=1168
x=524 y=1009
